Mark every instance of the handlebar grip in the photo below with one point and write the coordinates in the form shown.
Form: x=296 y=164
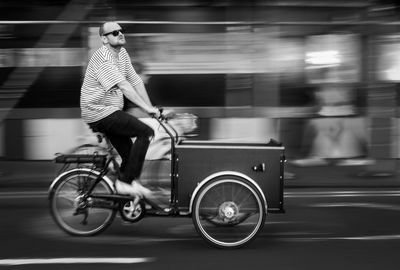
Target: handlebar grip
x=161 y=116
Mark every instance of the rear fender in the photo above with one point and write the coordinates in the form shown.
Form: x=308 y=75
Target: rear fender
x=55 y=181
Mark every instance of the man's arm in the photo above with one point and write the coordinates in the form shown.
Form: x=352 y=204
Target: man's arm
x=132 y=94
x=134 y=79
x=141 y=90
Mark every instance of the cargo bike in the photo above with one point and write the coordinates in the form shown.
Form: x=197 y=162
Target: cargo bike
x=227 y=188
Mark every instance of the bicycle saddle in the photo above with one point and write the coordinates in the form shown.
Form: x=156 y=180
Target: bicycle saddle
x=100 y=135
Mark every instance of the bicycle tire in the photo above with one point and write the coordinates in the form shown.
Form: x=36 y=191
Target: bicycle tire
x=65 y=199
x=228 y=212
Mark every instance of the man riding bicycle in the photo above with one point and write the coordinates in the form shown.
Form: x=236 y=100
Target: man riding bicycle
x=109 y=77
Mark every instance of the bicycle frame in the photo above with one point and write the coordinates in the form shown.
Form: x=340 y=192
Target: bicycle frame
x=174 y=137
x=101 y=174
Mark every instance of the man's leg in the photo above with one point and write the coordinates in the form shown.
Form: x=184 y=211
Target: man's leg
x=123 y=145
x=119 y=128
x=138 y=154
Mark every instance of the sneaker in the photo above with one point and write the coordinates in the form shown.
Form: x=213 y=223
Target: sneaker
x=141 y=190
x=126 y=189
x=153 y=198
x=138 y=191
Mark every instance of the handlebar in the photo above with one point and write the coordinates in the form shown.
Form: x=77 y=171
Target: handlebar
x=162 y=119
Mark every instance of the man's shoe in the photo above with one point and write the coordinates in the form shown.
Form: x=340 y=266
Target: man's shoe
x=143 y=191
x=126 y=189
x=138 y=191
x=151 y=197
x=134 y=189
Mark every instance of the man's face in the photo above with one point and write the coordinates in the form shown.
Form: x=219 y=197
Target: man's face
x=112 y=34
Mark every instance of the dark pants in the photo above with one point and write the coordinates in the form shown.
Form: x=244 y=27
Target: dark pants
x=120 y=127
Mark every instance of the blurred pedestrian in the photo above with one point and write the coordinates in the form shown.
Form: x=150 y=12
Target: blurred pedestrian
x=109 y=78
x=334 y=133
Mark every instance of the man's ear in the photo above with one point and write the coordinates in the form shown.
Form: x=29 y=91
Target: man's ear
x=104 y=39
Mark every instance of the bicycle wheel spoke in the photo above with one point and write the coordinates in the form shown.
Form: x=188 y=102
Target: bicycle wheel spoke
x=237 y=191
x=68 y=198
x=233 y=217
x=76 y=213
x=248 y=200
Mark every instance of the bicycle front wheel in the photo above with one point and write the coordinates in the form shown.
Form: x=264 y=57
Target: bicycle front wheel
x=76 y=214
x=228 y=212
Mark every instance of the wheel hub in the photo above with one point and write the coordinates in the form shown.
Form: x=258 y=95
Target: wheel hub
x=132 y=213
x=228 y=210
x=80 y=202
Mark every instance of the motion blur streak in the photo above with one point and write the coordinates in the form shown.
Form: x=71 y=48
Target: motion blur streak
x=75 y=260
x=344 y=194
x=320 y=76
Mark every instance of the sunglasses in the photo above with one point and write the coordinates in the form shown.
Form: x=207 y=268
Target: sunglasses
x=115 y=33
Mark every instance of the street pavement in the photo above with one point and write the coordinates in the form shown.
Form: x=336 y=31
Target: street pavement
x=326 y=225
x=38 y=175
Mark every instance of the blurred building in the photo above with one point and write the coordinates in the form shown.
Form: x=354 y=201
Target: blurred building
x=312 y=74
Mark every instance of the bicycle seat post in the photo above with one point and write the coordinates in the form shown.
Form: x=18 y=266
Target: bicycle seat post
x=110 y=150
x=108 y=143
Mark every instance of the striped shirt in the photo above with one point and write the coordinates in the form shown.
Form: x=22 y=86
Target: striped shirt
x=100 y=95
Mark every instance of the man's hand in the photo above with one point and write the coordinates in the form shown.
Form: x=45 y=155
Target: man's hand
x=154 y=112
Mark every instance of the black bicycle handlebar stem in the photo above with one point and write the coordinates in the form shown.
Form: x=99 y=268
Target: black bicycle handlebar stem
x=163 y=121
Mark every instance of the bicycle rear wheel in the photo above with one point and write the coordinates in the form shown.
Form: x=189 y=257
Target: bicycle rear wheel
x=73 y=213
x=228 y=212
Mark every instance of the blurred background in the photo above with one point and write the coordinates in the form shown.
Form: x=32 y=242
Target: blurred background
x=320 y=76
